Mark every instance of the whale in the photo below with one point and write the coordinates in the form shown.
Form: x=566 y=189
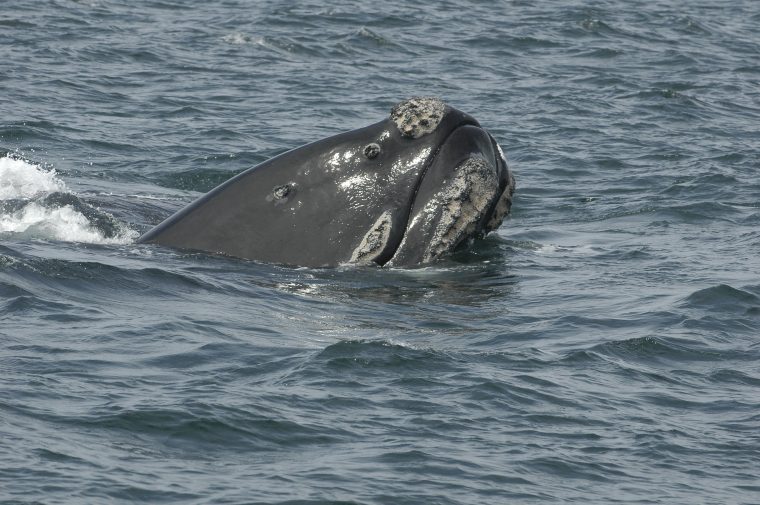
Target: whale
x=405 y=191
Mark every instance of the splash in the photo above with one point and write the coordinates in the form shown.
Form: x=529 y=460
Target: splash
x=236 y=38
x=35 y=203
x=19 y=179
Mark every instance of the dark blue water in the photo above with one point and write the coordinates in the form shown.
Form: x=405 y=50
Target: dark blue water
x=602 y=347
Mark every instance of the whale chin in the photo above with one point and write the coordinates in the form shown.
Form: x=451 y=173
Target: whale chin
x=402 y=192
x=464 y=194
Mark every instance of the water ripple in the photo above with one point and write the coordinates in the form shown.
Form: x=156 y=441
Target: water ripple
x=601 y=346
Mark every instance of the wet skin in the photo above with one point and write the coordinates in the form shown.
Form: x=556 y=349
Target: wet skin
x=402 y=192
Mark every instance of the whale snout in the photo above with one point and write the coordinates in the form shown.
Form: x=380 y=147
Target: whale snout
x=419 y=116
x=464 y=193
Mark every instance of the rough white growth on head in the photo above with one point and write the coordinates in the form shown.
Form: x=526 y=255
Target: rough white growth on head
x=463 y=203
x=418 y=116
x=503 y=206
x=374 y=241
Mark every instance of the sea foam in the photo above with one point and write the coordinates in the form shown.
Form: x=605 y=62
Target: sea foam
x=26 y=210
x=20 y=179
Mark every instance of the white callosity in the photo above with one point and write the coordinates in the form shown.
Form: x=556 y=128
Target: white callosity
x=418 y=116
x=374 y=242
x=463 y=204
x=504 y=204
x=502 y=207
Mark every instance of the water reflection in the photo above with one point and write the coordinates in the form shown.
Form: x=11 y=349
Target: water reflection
x=472 y=277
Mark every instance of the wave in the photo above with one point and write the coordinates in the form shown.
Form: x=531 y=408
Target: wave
x=35 y=203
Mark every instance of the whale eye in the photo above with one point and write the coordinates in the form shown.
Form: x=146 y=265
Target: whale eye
x=371 y=150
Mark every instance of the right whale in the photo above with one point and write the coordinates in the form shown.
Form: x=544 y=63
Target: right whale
x=402 y=192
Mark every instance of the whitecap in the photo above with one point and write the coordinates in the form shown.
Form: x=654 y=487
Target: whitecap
x=21 y=179
x=236 y=38
x=25 y=209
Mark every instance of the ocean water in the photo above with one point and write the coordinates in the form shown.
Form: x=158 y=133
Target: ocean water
x=602 y=347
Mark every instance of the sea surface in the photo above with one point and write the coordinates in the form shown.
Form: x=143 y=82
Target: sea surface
x=603 y=346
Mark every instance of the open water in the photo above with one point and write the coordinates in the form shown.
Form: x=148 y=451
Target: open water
x=602 y=347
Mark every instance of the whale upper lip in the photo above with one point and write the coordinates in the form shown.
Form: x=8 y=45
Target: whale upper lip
x=391 y=254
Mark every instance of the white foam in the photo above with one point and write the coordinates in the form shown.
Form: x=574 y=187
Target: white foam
x=62 y=223
x=580 y=249
x=236 y=38
x=21 y=180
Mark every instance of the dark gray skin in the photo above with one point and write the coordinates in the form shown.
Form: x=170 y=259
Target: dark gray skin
x=401 y=192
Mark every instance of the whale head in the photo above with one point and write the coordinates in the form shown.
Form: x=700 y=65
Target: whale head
x=401 y=192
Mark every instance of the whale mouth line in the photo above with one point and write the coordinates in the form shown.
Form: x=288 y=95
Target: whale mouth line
x=462 y=189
